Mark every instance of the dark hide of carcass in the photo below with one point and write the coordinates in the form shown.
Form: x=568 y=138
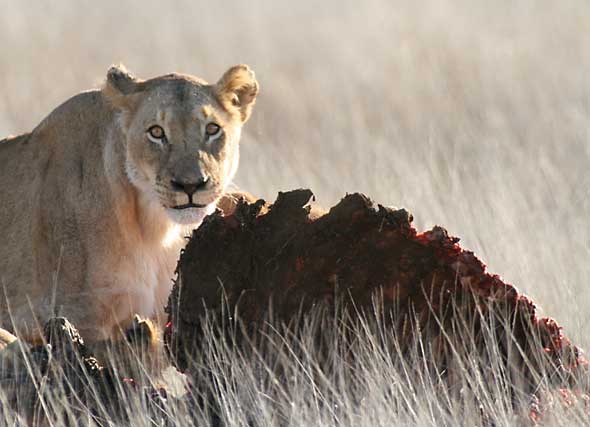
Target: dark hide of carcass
x=282 y=261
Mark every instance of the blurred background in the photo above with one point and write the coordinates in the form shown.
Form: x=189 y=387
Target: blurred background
x=472 y=114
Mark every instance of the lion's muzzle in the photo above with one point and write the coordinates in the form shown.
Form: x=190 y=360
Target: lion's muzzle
x=189 y=188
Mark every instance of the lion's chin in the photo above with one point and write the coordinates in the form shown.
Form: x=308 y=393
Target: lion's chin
x=190 y=215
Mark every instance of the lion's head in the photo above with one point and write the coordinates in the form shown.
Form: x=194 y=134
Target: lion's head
x=182 y=135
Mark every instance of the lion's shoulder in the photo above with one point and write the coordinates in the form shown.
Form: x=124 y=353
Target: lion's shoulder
x=14 y=140
x=85 y=108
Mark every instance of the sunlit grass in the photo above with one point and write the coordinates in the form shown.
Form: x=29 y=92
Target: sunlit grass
x=352 y=369
x=473 y=115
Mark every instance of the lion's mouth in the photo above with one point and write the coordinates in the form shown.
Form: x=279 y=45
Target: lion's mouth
x=188 y=206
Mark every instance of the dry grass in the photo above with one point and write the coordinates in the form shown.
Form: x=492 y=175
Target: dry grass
x=332 y=373
x=472 y=114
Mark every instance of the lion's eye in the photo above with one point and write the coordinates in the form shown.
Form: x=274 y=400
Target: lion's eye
x=156 y=134
x=212 y=129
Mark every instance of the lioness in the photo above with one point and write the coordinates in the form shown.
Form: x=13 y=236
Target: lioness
x=97 y=199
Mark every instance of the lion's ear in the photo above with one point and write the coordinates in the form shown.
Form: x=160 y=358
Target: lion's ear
x=121 y=80
x=119 y=84
x=237 y=89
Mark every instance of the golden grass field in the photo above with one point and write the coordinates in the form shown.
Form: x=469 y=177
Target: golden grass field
x=474 y=115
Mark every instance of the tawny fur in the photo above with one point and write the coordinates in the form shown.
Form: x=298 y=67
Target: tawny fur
x=87 y=225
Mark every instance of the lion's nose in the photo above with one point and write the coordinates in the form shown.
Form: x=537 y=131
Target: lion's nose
x=189 y=188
